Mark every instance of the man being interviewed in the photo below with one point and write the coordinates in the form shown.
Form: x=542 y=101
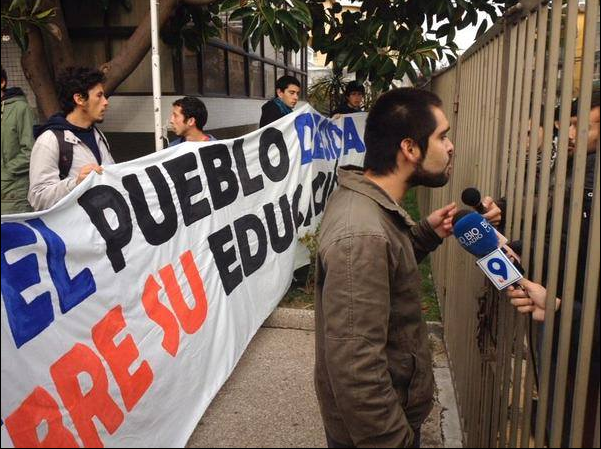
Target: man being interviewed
x=373 y=369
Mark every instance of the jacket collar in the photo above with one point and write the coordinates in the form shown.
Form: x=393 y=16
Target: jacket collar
x=353 y=179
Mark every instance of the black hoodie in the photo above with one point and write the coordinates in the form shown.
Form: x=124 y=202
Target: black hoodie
x=59 y=122
x=12 y=92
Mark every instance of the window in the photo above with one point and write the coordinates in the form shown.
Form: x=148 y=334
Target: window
x=236 y=74
x=213 y=69
x=269 y=81
x=225 y=66
x=256 y=78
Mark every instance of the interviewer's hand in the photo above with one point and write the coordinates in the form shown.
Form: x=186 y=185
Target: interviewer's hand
x=493 y=212
x=531 y=299
x=441 y=220
x=86 y=170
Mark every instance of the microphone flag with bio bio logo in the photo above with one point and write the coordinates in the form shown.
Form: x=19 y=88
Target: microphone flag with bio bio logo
x=474 y=233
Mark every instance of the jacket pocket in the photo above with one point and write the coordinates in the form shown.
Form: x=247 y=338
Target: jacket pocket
x=421 y=386
x=402 y=370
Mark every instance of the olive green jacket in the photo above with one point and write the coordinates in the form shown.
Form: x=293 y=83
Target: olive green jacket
x=373 y=369
x=17 y=140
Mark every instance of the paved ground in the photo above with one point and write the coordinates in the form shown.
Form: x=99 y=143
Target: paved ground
x=269 y=400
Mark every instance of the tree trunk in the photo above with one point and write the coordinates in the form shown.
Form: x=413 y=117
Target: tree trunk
x=134 y=50
x=36 y=70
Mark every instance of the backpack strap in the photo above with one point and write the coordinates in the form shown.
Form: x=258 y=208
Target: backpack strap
x=65 y=154
x=103 y=138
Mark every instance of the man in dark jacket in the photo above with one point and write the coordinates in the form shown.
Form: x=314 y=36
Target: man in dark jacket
x=353 y=99
x=17 y=140
x=287 y=90
x=373 y=369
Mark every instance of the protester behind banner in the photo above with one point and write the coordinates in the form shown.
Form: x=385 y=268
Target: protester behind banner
x=287 y=93
x=69 y=146
x=17 y=140
x=188 y=117
x=140 y=291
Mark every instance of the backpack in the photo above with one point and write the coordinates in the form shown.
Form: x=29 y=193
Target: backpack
x=65 y=152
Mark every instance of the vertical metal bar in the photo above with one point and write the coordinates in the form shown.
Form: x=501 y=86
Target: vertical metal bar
x=573 y=243
x=496 y=366
x=156 y=76
x=547 y=144
x=516 y=228
x=541 y=33
x=515 y=122
x=557 y=220
x=596 y=438
x=472 y=347
x=509 y=47
x=589 y=313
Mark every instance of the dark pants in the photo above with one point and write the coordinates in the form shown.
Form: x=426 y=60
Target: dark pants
x=335 y=444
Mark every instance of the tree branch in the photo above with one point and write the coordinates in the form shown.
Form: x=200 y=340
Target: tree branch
x=36 y=70
x=135 y=48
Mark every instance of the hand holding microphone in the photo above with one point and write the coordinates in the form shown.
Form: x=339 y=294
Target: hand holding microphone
x=530 y=298
x=486 y=206
x=477 y=236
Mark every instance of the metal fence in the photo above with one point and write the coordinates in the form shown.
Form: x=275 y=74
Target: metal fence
x=521 y=383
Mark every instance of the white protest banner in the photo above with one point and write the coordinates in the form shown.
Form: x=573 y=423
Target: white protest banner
x=127 y=305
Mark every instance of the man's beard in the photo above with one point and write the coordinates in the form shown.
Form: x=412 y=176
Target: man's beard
x=422 y=177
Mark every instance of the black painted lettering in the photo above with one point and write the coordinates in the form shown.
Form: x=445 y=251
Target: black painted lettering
x=95 y=201
x=269 y=137
x=187 y=188
x=279 y=243
x=218 y=174
x=242 y=226
x=154 y=233
x=225 y=258
x=249 y=185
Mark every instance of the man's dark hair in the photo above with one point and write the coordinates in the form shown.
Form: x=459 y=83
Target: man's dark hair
x=284 y=81
x=193 y=107
x=354 y=86
x=4 y=78
x=76 y=80
x=399 y=114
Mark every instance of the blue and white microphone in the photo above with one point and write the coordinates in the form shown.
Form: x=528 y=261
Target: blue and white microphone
x=477 y=236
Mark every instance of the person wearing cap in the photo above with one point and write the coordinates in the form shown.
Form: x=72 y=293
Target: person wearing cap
x=353 y=99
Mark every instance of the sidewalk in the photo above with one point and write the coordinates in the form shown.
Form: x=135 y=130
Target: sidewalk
x=269 y=399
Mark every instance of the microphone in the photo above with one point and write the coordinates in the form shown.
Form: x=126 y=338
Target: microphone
x=477 y=236
x=474 y=233
x=471 y=197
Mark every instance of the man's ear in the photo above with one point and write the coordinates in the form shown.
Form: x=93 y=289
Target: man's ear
x=410 y=151
x=78 y=99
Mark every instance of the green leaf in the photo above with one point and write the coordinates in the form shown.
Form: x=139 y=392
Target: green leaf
x=301 y=17
x=482 y=28
x=443 y=30
x=18 y=4
x=249 y=26
x=358 y=64
x=255 y=39
x=302 y=7
x=387 y=67
x=44 y=14
x=36 y=5
x=286 y=18
x=269 y=15
x=241 y=13
x=229 y=4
